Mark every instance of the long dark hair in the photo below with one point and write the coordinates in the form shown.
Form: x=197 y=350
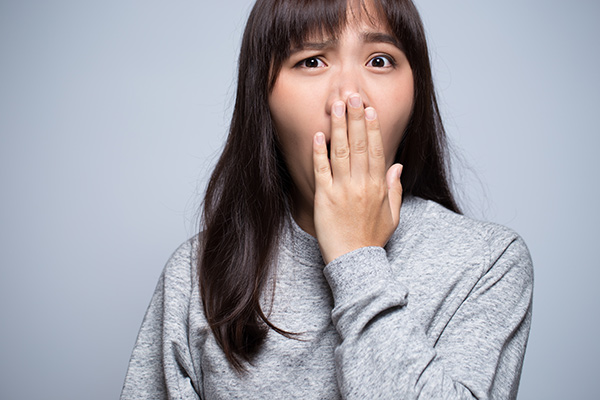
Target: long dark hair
x=247 y=198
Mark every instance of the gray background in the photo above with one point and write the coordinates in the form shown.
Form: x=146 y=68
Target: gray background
x=111 y=116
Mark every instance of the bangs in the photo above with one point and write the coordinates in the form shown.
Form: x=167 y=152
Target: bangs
x=294 y=22
x=298 y=20
x=276 y=26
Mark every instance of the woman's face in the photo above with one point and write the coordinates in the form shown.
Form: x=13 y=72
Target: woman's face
x=364 y=59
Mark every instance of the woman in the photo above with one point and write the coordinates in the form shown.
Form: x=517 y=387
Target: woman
x=333 y=260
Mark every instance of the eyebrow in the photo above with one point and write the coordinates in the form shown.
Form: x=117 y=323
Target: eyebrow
x=378 y=37
x=367 y=37
x=314 y=45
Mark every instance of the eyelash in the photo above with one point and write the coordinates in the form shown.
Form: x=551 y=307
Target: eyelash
x=388 y=61
x=302 y=63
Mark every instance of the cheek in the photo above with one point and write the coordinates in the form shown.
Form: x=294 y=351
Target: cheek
x=294 y=113
x=393 y=122
x=394 y=117
x=292 y=127
x=297 y=107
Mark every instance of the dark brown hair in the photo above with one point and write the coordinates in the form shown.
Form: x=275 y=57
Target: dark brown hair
x=247 y=198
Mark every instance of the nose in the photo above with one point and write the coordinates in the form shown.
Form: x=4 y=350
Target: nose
x=344 y=83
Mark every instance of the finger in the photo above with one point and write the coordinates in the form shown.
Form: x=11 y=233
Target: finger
x=376 y=153
x=340 y=152
x=320 y=161
x=357 y=136
x=394 y=190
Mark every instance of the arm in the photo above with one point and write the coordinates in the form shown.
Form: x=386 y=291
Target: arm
x=160 y=365
x=385 y=352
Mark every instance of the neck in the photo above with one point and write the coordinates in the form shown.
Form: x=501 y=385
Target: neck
x=306 y=222
x=303 y=214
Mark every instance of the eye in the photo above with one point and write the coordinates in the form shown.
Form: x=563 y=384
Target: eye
x=311 y=62
x=381 y=62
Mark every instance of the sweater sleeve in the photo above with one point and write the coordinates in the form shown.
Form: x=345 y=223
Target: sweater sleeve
x=161 y=365
x=385 y=351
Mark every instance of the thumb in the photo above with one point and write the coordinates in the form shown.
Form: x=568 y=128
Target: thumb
x=394 y=190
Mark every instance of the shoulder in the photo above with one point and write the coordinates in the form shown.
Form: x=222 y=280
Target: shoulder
x=436 y=221
x=453 y=237
x=180 y=270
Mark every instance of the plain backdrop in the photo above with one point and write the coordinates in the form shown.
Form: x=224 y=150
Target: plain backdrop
x=112 y=114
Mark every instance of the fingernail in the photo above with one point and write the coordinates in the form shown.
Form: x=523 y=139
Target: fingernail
x=338 y=109
x=355 y=101
x=320 y=138
x=370 y=113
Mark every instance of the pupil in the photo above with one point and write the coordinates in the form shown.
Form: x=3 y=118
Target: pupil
x=378 y=62
x=312 y=63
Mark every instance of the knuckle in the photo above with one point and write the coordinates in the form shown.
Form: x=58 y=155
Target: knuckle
x=321 y=150
x=377 y=151
x=322 y=169
x=322 y=166
x=373 y=125
x=359 y=146
x=338 y=124
x=342 y=152
x=355 y=116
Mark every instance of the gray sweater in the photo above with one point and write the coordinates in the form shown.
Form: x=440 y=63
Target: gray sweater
x=443 y=312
